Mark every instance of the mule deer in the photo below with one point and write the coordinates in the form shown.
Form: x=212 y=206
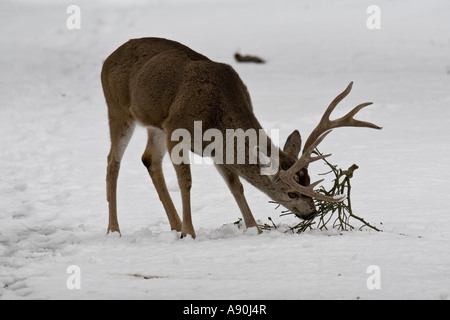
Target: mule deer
x=164 y=85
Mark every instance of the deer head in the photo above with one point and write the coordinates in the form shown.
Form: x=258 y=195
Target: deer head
x=293 y=187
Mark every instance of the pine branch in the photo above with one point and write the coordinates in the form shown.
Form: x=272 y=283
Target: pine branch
x=332 y=215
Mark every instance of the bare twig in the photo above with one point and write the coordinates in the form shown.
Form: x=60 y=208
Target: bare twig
x=339 y=213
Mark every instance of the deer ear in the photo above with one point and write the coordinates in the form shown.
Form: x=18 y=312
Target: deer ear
x=293 y=144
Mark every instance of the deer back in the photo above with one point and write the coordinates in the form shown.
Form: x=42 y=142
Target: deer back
x=167 y=85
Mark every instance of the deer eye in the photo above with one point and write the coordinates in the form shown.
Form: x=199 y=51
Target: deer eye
x=293 y=195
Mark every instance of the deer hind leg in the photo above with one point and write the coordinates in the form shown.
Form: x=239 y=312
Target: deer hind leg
x=236 y=188
x=152 y=160
x=121 y=130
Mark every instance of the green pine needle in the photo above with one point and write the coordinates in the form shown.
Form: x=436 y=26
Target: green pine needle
x=331 y=215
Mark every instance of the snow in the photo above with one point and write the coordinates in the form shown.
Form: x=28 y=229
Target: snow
x=54 y=142
x=340 y=197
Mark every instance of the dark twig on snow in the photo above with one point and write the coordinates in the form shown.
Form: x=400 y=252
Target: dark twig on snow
x=248 y=58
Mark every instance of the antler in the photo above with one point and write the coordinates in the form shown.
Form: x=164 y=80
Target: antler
x=317 y=135
x=346 y=121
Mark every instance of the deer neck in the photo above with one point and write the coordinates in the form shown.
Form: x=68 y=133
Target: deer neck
x=256 y=176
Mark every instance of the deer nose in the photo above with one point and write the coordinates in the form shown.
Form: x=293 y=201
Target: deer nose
x=311 y=216
x=308 y=216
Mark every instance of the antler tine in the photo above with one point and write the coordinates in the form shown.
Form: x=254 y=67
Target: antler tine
x=317 y=135
x=309 y=190
x=349 y=121
x=336 y=101
x=345 y=121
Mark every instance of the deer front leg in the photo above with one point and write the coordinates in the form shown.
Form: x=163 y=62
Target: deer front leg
x=185 y=182
x=236 y=188
x=183 y=171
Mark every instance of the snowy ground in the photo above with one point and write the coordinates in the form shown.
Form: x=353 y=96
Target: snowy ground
x=54 y=142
